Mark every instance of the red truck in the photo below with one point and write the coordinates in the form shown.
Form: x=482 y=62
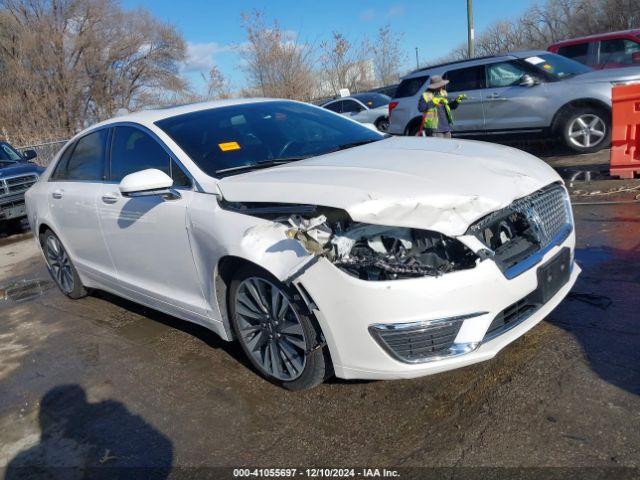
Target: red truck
x=607 y=50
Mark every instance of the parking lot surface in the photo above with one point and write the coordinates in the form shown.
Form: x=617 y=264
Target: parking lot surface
x=104 y=382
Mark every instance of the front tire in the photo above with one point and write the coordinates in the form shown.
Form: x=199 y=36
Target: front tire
x=586 y=130
x=61 y=267
x=278 y=334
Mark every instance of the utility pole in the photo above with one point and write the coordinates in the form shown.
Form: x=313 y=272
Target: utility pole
x=417 y=62
x=470 y=36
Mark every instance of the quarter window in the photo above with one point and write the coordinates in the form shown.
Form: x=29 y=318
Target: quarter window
x=133 y=150
x=465 y=79
x=85 y=160
x=619 y=51
x=410 y=86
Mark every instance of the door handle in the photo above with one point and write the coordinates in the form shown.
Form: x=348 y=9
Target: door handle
x=57 y=194
x=493 y=95
x=109 y=198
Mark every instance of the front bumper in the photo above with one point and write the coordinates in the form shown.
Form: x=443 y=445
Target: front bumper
x=12 y=207
x=347 y=307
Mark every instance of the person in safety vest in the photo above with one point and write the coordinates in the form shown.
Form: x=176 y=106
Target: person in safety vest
x=437 y=119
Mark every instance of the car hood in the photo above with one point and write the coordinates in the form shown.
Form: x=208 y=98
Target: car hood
x=437 y=184
x=20 y=169
x=608 y=75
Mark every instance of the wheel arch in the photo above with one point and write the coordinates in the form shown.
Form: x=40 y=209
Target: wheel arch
x=414 y=122
x=223 y=274
x=556 y=122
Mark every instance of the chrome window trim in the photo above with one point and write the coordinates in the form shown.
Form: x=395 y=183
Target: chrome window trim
x=72 y=144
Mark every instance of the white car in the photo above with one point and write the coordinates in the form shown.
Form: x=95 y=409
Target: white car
x=320 y=245
x=372 y=108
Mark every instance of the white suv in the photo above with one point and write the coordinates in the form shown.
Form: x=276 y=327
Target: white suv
x=317 y=243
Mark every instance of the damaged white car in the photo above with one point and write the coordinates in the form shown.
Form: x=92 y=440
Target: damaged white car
x=320 y=245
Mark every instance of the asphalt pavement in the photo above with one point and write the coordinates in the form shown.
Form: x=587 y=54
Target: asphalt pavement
x=102 y=382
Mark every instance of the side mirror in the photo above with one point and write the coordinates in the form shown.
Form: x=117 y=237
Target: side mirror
x=146 y=183
x=527 y=81
x=29 y=154
x=635 y=57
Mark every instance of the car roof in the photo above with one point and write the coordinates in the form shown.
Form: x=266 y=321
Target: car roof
x=436 y=69
x=154 y=115
x=598 y=36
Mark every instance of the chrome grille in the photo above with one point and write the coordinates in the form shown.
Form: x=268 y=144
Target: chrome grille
x=548 y=209
x=418 y=344
x=13 y=185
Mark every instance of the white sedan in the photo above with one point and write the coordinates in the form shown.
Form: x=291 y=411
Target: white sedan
x=372 y=108
x=320 y=245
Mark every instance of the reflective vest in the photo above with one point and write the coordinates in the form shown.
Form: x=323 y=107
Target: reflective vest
x=430 y=117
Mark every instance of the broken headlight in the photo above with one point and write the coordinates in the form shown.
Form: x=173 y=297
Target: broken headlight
x=375 y=252
x=368 y=252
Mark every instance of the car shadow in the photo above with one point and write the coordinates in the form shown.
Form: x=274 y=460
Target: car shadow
x=203 y=334
x=602 y=311
x=10 y=229
x=80 y=439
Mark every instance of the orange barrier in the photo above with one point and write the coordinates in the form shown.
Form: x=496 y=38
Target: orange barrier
x=625 y=132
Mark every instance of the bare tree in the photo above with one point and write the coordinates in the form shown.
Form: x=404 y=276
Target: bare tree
x=344 y=65
x=278 y=63
x=217 y=84
x=553 y=20
x=68 y=63
x=388 y=55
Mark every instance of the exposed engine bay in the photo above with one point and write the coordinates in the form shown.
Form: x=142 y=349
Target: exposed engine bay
x=366 y=251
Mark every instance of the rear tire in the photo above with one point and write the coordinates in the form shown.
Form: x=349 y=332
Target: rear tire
x=382 y=124
x=413 y=128
x=278 y=334
x=61 y=267
x=586 y=129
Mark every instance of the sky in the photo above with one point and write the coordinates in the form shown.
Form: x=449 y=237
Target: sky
x=213 y=28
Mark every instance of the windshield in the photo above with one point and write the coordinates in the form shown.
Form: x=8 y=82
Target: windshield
x=373 y=100
x=557 y=66
x=8 y=154
x=239 y=137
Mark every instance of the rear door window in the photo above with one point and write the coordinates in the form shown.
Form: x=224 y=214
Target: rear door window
x=471 y=78
x=133 y=150
x=578 y=52
x=410 y=86
x=351 y=106
x=334 y=107
x=84 y=161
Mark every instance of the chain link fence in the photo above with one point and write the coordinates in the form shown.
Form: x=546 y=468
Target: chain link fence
x=46 y=151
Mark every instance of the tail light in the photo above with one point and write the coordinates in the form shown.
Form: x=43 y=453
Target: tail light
x=392 y=105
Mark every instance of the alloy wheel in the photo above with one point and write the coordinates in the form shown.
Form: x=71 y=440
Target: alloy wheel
x=587 y=130
x=59 y=264
x=270 y=329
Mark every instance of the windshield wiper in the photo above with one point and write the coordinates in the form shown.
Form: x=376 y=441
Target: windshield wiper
x=345 y=146
x=257 y=166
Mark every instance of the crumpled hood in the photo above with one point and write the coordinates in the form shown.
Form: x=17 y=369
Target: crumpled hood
x=624 y=74
x=435 y=184
x=20 y=169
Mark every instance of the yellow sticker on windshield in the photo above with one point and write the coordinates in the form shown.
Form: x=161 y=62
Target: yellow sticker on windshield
x=227 y=146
